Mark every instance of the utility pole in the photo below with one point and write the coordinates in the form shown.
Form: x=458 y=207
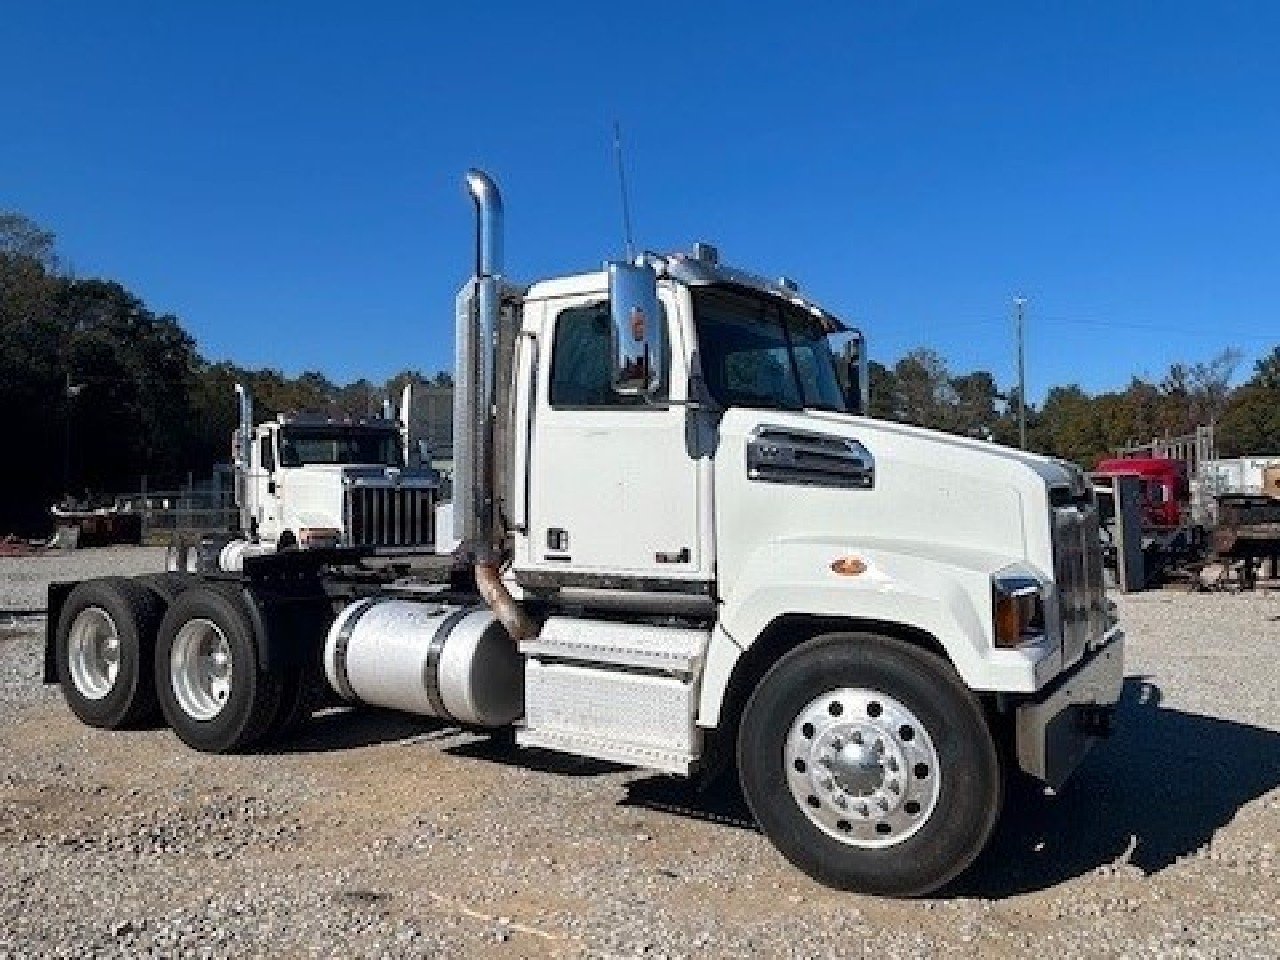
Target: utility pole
x=1019 y=303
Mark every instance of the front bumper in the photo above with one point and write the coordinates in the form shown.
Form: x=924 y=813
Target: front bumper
x=1058 y=727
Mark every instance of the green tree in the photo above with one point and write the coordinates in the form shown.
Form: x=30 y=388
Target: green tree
x=1266 y=371
x=1250 y=425
x=924 y=388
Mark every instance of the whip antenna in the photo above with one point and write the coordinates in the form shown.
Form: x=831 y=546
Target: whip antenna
x=627 y=239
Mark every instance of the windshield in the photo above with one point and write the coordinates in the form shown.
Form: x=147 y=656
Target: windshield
x=759 y=352
x=338 y=445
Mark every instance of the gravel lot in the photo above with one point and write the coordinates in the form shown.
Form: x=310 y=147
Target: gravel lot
x=23 y=579
x=374 y=835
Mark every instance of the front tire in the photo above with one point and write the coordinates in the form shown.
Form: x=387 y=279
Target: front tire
x=211 y=689
x=870 y=765
x=104 y=646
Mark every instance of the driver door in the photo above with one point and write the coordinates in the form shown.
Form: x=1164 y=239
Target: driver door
x=612 y=488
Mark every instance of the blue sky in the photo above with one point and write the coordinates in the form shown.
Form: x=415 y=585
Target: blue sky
x=286 y=178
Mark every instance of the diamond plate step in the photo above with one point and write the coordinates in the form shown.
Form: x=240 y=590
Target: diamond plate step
x=669 y=649
x=614 y=751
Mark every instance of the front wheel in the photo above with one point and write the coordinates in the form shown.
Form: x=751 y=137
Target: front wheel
x=870 y=765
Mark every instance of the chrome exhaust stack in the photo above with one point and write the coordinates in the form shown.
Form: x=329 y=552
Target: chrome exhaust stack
x=477 y=324
x=244 y=445
x=244 y=455
x=475 y=523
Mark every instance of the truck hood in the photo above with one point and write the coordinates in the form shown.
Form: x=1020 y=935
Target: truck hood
x=927 y=491
x=992 y=456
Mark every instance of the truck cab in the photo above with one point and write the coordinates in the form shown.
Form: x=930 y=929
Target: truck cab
x=1165 y=491
x=321 y=481
x=748 y=483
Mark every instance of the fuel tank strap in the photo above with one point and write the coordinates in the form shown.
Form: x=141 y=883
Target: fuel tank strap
x=343 y=640
x=431 y=669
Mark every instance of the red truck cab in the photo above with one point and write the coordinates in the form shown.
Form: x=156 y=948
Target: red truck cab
x=1164 y=486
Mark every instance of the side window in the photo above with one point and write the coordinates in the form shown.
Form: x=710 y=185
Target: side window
x=268 y=458
x=761 y=373
x=580 y=370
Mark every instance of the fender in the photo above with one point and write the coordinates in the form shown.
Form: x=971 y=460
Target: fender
x=944 y=591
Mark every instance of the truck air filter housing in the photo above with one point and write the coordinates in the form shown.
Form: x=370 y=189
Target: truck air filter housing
x=437 y=660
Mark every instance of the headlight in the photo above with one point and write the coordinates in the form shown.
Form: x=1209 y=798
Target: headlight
x=1017 y=605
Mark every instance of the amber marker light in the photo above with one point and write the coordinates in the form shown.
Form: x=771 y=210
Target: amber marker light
x=848 y=566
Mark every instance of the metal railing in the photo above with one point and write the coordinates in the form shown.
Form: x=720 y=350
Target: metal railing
x=166 y=512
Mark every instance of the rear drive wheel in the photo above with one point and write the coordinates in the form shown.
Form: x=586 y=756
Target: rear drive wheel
x=870 y=765
x=211 y=689
x=104 y=645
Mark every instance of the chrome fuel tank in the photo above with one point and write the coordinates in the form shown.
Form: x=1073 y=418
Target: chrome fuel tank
x=437 y=660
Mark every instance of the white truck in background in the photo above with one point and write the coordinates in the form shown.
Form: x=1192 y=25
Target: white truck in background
x=684 y=546
x=310 y=480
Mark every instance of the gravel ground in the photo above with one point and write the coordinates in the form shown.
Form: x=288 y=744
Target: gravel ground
x=379 y=836
x=23 y=579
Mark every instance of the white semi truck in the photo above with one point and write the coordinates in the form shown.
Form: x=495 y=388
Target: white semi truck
x=308 y=480
x=684 y=546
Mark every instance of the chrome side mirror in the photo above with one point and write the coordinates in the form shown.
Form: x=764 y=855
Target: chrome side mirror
x=856 y=376
x=636 y=329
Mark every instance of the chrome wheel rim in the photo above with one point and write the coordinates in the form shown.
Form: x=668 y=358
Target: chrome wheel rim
x=93 y=654
x=200 y=669
x=862 y=767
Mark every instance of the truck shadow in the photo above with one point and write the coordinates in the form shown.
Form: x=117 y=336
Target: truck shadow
x=349 y=729
x=1155 y=792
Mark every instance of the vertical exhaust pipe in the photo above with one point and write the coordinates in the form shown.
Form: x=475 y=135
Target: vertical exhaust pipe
x=403 y=420
x=244 y=451
x=477 y=323
x=245 y=401
x=489 y=224
x=475 y=494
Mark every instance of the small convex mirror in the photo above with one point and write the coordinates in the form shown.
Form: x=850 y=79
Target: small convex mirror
x=636 y=328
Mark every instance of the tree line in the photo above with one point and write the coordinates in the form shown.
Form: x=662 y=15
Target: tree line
x=99 y=390
x=1084 y=427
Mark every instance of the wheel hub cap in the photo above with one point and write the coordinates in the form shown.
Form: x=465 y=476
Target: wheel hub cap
x=93 y=653
x=856 y=768
x=862 y=767
x=200 y=669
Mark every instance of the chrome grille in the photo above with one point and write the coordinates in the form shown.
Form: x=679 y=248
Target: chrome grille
x=1077 y=570
x=390 y=516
